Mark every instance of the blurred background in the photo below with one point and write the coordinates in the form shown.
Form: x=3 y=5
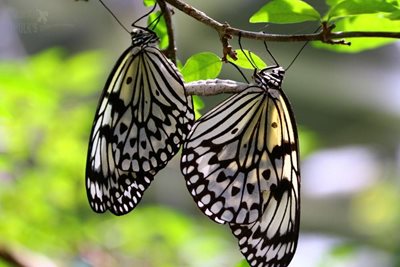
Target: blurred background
x=55 y=58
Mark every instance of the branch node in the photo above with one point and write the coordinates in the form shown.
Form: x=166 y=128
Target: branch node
x=227 y=49
x=326 y=35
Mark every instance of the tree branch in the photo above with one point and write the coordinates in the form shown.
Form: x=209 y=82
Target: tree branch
x=324 y=35
x=214 y=87
x=170 y=51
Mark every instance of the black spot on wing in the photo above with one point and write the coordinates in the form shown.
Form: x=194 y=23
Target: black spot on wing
x=277 y=191
x=221 y=177
x=132 y=142
x=250 y=188
x=266 y=174
x=235 y=190
x=105 y=131
x=123 y=128
x=117 y=104
x=143 y=144
x=282 y=150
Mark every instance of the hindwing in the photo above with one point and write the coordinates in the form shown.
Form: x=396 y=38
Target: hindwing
x=271 y=241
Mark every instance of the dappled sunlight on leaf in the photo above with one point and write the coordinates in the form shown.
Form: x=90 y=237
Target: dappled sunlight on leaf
x=357 y=7
x=368 y=22
x=43 y=207
x=201 y=66
x=285 y=11
x=242 y=263
x=244 y=57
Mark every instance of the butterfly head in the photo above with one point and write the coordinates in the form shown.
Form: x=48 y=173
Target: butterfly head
x=270 y=78
x=142 y=37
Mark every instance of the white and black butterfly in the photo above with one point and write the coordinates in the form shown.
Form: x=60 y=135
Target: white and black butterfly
x=142 y=118
x=241 y=165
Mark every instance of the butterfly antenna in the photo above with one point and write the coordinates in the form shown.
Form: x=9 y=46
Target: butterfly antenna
x=270 y=54
x=254 y=64
x=240 y=71
x=155 y=21
x=301 y=49
x=241 y=48
x=145 y=15
x=115 y=17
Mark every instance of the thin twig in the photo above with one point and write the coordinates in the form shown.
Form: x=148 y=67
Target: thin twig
x=319 y=36
x=170 y=51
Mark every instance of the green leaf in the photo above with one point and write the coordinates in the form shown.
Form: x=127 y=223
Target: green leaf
x=149 y=2
x=198 y=105
x=394 y=15
x=242 y=263
x=160 y=29
x=243 y=61
x=309 y=141
x=202 y=66
x=285 y=11
x=367 y=22
x=333 y=2
x=356 y=7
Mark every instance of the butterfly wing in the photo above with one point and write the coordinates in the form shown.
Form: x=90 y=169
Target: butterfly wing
x=271 y=241
x=103 y=179
x=154 y=116
x=226 y=158
x=142 y=118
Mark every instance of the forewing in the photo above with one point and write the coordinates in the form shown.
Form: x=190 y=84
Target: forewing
x=271 y=241
x=107 y=185
x=225 y=159
x=155 y=116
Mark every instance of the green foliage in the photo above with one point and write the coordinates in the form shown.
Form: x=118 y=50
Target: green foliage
x=160 y=29
x=309 y=141
x=201 y=66
x=348 y=15
x=243 y=60
x=198 y=105
x=243 y=263
x=149 y=2
x=333 y=2
x=44 y=151
x=362 y=15
x=285 y=11
x=394 y=15
x=47 y=106
x=358 y=7
x=367 y=22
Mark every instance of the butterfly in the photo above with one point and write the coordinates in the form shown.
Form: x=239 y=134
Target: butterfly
x=142 y=118
x=241 y=166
